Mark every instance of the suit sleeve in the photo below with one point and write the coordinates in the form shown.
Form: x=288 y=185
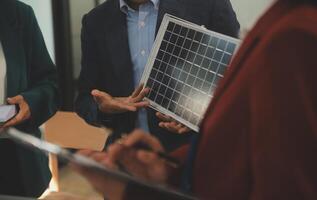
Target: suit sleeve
x=224 y=19
x=85 y=105
x=42 y=92
x=283 y=112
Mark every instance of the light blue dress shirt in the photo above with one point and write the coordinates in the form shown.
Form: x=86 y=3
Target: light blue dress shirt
x=141 y=25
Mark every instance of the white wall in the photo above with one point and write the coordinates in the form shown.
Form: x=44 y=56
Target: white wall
x=43 y=13
x=248 y=11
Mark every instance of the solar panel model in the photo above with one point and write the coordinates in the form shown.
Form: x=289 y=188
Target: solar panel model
x=184 y=68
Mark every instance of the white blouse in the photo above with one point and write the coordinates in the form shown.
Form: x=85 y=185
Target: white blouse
x=3 y=72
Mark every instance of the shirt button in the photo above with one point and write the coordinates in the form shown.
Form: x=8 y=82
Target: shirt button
x=142 y=24
x=143 y=52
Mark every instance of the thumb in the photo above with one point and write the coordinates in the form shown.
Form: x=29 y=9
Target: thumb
x=14 y=100
x=99 y=96
x=96 y=93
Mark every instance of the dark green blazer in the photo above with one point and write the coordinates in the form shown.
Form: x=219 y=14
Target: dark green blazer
x=31 y=73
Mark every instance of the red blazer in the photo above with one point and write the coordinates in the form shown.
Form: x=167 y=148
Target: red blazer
x=259 y=135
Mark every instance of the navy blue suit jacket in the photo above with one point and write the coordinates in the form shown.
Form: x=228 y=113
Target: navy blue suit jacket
x=107 y=66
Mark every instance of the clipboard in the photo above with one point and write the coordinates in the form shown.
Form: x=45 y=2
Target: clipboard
x=46 y=147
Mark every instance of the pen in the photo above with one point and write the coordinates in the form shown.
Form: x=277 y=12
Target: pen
x=169 y=159
x=173 y=162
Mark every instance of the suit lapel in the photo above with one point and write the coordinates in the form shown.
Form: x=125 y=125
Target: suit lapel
x=11 y=47
x=118 y=45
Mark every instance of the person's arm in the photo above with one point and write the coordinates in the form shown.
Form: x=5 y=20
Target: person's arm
x=224 y=19
x=283 y=101
x=95 y=106
x=41 y=95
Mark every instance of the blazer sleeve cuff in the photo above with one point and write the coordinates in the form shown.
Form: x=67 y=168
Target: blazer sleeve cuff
x=41 y=109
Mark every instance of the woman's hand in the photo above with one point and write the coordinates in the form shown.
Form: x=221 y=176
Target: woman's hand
x=24 y=111
x=140 y=163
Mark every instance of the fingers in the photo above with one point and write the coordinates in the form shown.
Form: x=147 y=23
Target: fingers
x=128 y=106
x=100 y=96
x=100 y=157
x=120 y=106
x=96 y=93
x=24 y=112
x=140 y=163
x=109 y=104
x=141 y=104
x=146 y=158
x=169 y=124
x=85 y=152
x=183 y=130
x=163 y=117
x=139 y=136
x=96 y=155
x=13 y=121
x=137 y=91
x=117 y=151
x=15 y=100
x=141 y=95
x=98 y=99
x=174 y=127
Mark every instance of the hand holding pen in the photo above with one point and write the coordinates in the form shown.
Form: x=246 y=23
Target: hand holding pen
x=140 y=154
x=171 y=161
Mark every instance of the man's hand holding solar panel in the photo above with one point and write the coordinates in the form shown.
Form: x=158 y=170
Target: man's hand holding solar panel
x=172 y=125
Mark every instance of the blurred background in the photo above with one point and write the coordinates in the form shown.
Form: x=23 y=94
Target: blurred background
x=60 y=21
